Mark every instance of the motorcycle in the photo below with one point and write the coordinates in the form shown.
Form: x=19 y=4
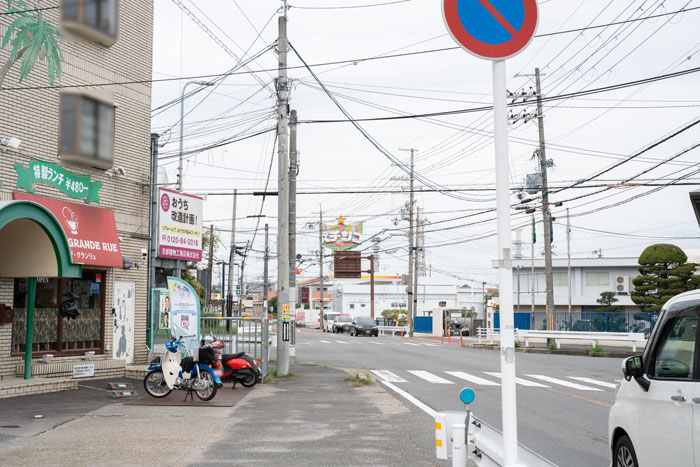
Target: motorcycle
x=194 y=373
x=237 y=368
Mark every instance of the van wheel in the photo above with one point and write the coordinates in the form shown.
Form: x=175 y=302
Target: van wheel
x=624 y=455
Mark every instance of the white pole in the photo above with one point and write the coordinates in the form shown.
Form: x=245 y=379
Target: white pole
x=459 y=449
x=505 y=268
x=568 y=258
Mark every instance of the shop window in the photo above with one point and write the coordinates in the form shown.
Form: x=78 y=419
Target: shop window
x=87 y=131
x=94 y=19
x=54 y=333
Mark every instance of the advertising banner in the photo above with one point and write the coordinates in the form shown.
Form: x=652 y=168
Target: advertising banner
x=48 y=173
x=342 y=236
x=91 y=232
x=179 y=225
x=184 y=310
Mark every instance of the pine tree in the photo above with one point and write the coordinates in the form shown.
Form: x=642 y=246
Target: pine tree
x=664 y=273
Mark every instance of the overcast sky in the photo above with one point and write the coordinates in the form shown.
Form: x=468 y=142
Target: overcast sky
x=584 y=134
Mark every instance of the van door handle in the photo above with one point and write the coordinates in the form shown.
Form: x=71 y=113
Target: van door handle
x=678 y=398
x=696 y=400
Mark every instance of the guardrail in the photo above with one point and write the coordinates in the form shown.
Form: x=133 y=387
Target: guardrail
x=635 y=338
x=249 y=335
x=393 y=329
x=483 y=444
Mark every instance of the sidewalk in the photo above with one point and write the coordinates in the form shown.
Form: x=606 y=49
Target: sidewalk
x=315 y=418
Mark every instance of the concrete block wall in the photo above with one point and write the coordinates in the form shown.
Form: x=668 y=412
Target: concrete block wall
x=30 y=111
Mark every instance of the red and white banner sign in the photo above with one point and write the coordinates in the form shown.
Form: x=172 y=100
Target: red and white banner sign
x=180 y=225
x=92 y=232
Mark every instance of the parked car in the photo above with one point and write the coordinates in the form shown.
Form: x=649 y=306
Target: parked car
x=657 y=405
x=342 y=323
x=329 y=321
x=364 y=326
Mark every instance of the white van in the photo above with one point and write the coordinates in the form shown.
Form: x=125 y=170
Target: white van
x=655 y=420
x=329 y=321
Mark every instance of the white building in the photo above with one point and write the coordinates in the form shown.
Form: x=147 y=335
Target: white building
x=589 y=277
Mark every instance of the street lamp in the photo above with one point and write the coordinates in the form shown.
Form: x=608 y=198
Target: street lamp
x=182 y=129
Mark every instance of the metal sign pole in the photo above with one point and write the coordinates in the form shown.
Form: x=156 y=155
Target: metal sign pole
x=505 y=268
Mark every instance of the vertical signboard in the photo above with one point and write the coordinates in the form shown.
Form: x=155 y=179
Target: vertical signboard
x=179 y=225
x=184 y=310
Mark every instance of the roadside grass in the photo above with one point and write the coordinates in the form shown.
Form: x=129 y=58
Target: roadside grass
x=596 y=351
x=517 y=344
x=552 y=346
x=273 y=378
x=360 y=379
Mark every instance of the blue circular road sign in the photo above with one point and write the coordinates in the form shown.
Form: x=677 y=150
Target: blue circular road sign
x=467 y=396
x=492 y=29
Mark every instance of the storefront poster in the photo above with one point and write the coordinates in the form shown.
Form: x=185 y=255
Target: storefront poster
x=179 y=225
x=91 y=232
x=184 y=306
x=163 y=308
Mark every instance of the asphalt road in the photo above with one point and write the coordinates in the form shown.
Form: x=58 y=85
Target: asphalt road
x=560 y=417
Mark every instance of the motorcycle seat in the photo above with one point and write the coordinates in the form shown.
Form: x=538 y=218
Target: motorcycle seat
x=230 y=356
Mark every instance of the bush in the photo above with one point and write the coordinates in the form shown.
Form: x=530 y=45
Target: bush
x=596 y=351
x=517 y=344
x=552 y=346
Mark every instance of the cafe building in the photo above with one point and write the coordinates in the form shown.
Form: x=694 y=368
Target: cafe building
x=74 y=191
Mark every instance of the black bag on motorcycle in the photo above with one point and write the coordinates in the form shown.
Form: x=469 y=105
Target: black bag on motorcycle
x=207 y=354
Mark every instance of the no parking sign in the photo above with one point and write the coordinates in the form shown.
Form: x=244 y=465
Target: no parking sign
x=491 y=29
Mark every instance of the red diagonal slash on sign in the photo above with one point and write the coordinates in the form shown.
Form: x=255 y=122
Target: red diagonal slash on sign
x=499 y=17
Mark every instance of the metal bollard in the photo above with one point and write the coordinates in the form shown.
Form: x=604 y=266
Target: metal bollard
x=459 y=448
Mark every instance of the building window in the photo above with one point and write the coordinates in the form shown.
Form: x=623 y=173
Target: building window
x=86 y=131
x=597 y=279
x=94 y=19
x=352 y=305
x=560 y=278
x=54 y=333
x=362 y=306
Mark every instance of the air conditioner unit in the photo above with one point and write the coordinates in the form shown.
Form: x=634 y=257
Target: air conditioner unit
x=622 y=284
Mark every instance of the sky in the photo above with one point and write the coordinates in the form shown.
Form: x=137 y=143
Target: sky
x=383 y=58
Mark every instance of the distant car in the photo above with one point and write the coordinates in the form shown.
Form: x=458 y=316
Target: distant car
x=654 y=419
x=329 y=321
x=342 y=323
x=364 y=326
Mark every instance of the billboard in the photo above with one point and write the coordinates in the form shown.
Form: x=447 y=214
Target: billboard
x=179 y=225
x=342 y=236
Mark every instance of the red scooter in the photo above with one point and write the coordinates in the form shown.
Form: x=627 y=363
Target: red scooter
x=237 y=368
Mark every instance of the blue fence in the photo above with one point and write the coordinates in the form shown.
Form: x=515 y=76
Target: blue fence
x=616 y=321
x=423 y=324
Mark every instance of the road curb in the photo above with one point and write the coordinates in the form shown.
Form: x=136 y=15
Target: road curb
x=606 y=354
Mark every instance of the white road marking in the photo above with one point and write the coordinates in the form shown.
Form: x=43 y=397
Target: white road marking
x=388 y=376
x=342 y=342
x=594 y=381
x=431 y=378
x=411 y=343
x=431 y=345
x=375 y=343
x=411 y=399
x=472 y=378
x=562 y=382
x=325 y=342
x=523 y=382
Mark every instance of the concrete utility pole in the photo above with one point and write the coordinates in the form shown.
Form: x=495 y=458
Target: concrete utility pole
x=568 y=258
x=293 y=170
x=532 y=268
x=210 y=268
x=240 y=279
x=549 y=283
x=265 y=283
x=231 y=260
x=283 y=195
x=409 y=288
x=320 y=262
x=415 y=264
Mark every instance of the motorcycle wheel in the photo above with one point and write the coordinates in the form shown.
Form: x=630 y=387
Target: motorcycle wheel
x=250 y=381
x=209 y=393
x=154 y=384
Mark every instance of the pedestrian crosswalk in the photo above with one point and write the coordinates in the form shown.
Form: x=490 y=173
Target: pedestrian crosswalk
x=492 y=378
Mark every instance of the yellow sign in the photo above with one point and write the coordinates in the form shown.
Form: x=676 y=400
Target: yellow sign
x=285 y=313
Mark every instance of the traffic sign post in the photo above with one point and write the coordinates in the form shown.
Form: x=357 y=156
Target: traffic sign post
x=496 y=30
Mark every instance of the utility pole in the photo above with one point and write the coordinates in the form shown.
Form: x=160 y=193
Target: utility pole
x=415 y=264
x=568 y=258
x=371 y=285
x=549 y=283
x=240 y=278
x=283 y=197
x=293 y=170
x=153 y=234
x=231 y=260
x=265 y=283
x=320 y=262
x=210 y=268
x=409 y=288
x=532 y=268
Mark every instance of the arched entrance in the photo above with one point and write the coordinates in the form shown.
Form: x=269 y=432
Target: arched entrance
x=32 y=244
